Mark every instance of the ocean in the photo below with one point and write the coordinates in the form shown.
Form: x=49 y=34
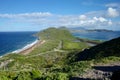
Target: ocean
x=14 y=41
x=98 y=35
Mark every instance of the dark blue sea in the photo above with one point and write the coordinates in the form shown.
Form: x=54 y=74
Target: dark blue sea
x=11 y=41
x=96 y=35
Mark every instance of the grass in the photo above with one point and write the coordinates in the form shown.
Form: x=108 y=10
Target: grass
x=55 y=34
x=110 y=59
x=90 y=41
x=70 y=45
x=47 y=46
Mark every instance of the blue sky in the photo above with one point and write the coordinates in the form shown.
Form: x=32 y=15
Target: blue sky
x=34 y=15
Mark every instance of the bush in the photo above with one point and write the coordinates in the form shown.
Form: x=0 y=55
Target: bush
x=35 y=74
x=23 y=76
x=56 y=76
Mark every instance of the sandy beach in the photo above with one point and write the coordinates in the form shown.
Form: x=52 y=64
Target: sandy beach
x=28 y=49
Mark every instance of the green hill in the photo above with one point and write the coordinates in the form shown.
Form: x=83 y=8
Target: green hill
x=55 y=34
x=106 y=49
x=58 y=36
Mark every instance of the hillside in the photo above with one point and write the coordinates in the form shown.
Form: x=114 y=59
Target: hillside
x=106 y=49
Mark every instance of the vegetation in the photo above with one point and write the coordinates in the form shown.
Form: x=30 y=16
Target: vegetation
x=61 y=57
x=70 y=45
x=47 y=46
x=55 y=34
x=90 y=41
x=106 y=49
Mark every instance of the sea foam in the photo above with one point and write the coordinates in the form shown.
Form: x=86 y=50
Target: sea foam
x=25 y=47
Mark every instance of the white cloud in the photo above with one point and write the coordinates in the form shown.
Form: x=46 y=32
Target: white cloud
x=95 y=18
x=48 y=19
x=112 y=12
x=87 y=22
x=96 y=13
x=113 y=5
x=110 y=22
x=82 y=17
x=26 y=15
x=101 y=19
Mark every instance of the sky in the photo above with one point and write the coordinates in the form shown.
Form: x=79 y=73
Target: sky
x=35 y=15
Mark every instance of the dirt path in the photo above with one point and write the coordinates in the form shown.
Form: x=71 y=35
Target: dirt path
x=57 y=49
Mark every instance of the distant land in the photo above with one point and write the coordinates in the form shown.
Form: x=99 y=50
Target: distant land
x=101 y=30
x=94 y=34
x=80 y=29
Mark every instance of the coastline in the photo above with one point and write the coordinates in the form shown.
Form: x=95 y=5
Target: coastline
x=29 y=47
x=25 y=47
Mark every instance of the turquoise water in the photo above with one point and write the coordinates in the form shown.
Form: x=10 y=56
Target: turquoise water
x=96 y=35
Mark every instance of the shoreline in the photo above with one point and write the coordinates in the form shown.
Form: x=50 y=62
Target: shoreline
x=17 y=51
x=29 y=47
x=25 y=47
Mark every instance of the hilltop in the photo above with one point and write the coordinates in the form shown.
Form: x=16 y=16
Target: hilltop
x=55 y=34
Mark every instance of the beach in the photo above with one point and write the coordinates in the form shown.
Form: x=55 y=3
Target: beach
x=30 y=47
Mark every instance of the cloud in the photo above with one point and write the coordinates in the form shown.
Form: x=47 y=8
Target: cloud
x=95 y=20
x=96 y=13
x=83 y=21
x=82 y=17
x=101 y=19
x=26 y=15
x=47 y=19
x=109 y=13
x=110 y=22
x=113 y=5
x=112 y=12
